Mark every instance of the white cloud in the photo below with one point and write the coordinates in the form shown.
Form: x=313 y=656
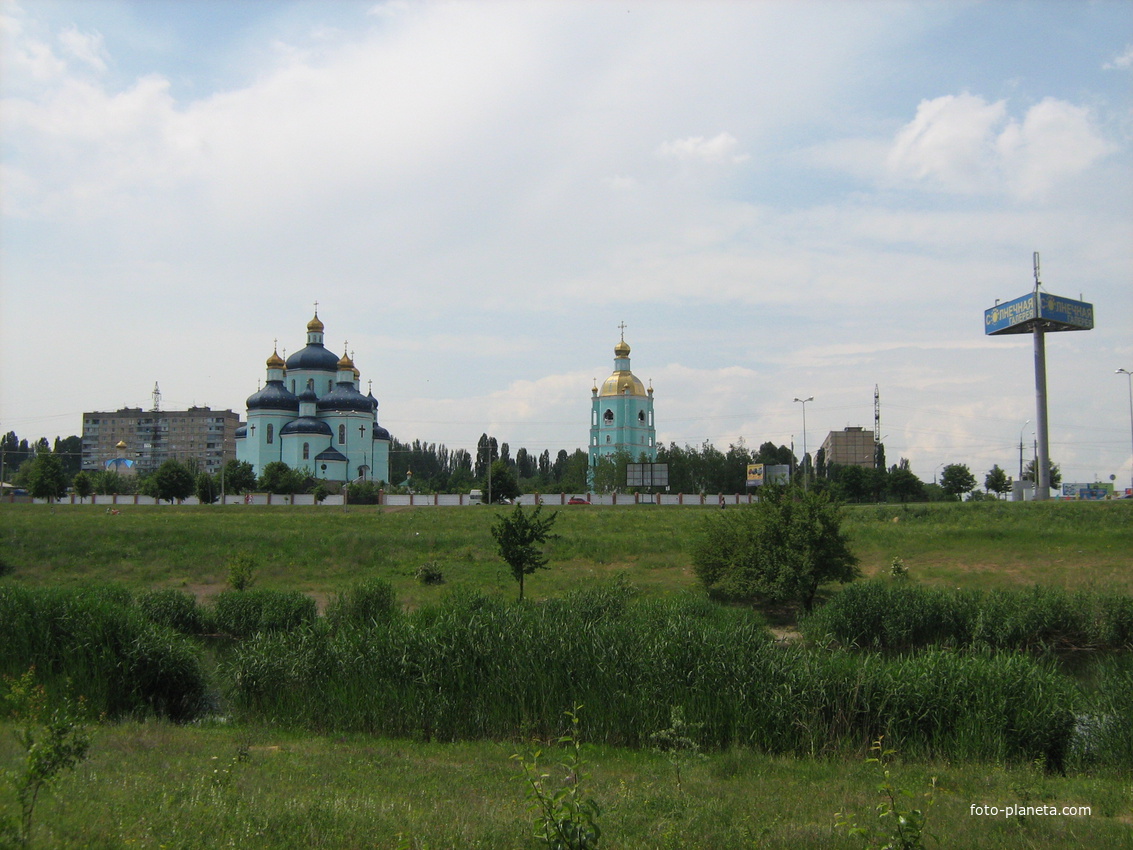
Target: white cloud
x=87 y=48
x=1122 y=62
x=963 y=144
x=720 y=149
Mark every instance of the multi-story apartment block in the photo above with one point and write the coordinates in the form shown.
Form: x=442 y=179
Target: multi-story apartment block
x=148 y=438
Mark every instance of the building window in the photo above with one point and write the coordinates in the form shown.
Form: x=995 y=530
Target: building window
x=608 y=416
x=641 y=416
x=271 y=433
x=342 y=435
x=306 y=451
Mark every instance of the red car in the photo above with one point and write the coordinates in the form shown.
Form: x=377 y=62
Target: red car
x=577 y=500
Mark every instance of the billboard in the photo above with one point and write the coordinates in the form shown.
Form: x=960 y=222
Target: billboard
x=759 y=474
x=1053 y=311
x=647 y=475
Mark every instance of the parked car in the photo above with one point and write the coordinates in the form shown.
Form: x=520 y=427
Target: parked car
x=577 y=500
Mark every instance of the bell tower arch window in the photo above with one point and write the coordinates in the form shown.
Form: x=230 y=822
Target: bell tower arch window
x=306 y=451
x=608 y=417
x=271 y=433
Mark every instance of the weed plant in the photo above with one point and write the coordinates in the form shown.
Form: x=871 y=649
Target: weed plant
x=896 y=615
x=363 y=604
x=102 y=644
x=176 y=610
x=476 y=667
x=243 y=613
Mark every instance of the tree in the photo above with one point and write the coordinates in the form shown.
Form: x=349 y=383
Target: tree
x=239 y=477
x=278 y=477
x=172 y=481
x=996 y=481
x=956 y=479
x=904 y=484
x=45 y=476
x=781 y=548
x=1052 y=469
x=518 y=537
x=504 y=487
x=82 y=485
x=208 y=488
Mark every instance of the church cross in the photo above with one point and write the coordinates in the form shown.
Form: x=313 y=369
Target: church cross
x=623 y=327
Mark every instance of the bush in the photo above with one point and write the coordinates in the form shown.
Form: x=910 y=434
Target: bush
x=243 y=613
x=175 y=609
x=96 y=639
x=429 y=573
x=779 y=549
x=363 y=604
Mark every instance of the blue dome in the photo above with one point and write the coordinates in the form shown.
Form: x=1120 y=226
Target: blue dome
x=275 y=396
x=306 y=425
x=345 y=397
x=241 y=432
x=314 y=357
x=308 y=394
x=381 y=433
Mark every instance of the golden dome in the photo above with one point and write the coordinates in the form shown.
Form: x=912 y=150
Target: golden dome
x=621 y=349
x=346 y=362
x=120 y=445
x=622 y=382
x=275 y=361
x=315 y=325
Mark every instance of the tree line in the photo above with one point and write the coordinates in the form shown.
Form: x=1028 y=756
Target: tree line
x=48 y=470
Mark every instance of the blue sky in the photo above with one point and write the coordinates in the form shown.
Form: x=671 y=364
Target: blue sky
x=780 y=200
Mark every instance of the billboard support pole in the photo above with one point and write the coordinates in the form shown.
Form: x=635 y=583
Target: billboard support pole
x=1042 y=462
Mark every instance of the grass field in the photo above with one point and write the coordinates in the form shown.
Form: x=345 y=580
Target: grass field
x=319 y=550
x=215 y=783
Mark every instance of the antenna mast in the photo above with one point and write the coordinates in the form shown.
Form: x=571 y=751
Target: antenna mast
x=156 y=398
x=876 y=427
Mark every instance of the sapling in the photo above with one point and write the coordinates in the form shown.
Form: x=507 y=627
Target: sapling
x=53 y=738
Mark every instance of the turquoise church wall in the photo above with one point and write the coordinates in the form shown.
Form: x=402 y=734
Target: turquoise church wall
x=621 y=414
x=312 y=415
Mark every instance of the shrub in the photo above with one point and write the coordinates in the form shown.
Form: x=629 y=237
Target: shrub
x=245 y=613
x=174 y=608
x=363 y=604
x=781 y=548
x=429 y=573
x=242 y=571
x=101 y=643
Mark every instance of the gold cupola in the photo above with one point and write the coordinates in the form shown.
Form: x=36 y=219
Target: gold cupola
x=622 y=381
x=275 y=361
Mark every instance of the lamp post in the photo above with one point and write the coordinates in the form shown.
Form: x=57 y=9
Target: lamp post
x=1128 y=374
x=1021 y=430
x=803 y=402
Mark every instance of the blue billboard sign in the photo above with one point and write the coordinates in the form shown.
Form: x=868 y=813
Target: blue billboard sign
x=1051 y=312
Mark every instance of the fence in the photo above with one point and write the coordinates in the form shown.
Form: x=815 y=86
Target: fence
x=417 y=500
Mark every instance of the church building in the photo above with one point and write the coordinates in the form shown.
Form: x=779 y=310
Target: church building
x=312 y=416
x=621 y=415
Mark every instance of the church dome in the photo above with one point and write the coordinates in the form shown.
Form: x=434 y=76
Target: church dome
x=621 y=349
x=275 y=396
x=275 y=361
x=306 y=425
x=345 y=397
x=315 y=325
x=622 y=382
x=381 y=433
x=313 y=357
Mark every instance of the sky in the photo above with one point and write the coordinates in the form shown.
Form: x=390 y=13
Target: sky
x=779 y=200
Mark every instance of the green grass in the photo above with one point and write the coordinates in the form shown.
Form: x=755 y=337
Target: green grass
x=154 y=785
x=320 y=551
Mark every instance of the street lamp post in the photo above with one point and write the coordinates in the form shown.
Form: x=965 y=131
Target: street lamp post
x=1128 y=374
x=803 y=402
x=1021 y=430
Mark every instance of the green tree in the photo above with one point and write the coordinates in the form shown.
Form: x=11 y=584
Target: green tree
x=904 y=485
x=172 y=480
x=239 y=477
x=996 y=481
x=781 y=548
x=278 y=477
x=208 y=488
x=45 y=476
x=504 y=487
x=82 y=484
x=1052 y=468
x=956 y=479
x=518 y=537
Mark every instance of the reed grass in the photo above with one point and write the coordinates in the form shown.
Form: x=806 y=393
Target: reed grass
x=894 y=614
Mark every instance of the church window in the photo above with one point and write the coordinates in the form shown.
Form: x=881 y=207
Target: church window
x=342 y=435
x=271 y=433
x=607 y=438
x=306 y=451
x=292 y=385
x=330 y=386
x=608 y=416
x=641 y=416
